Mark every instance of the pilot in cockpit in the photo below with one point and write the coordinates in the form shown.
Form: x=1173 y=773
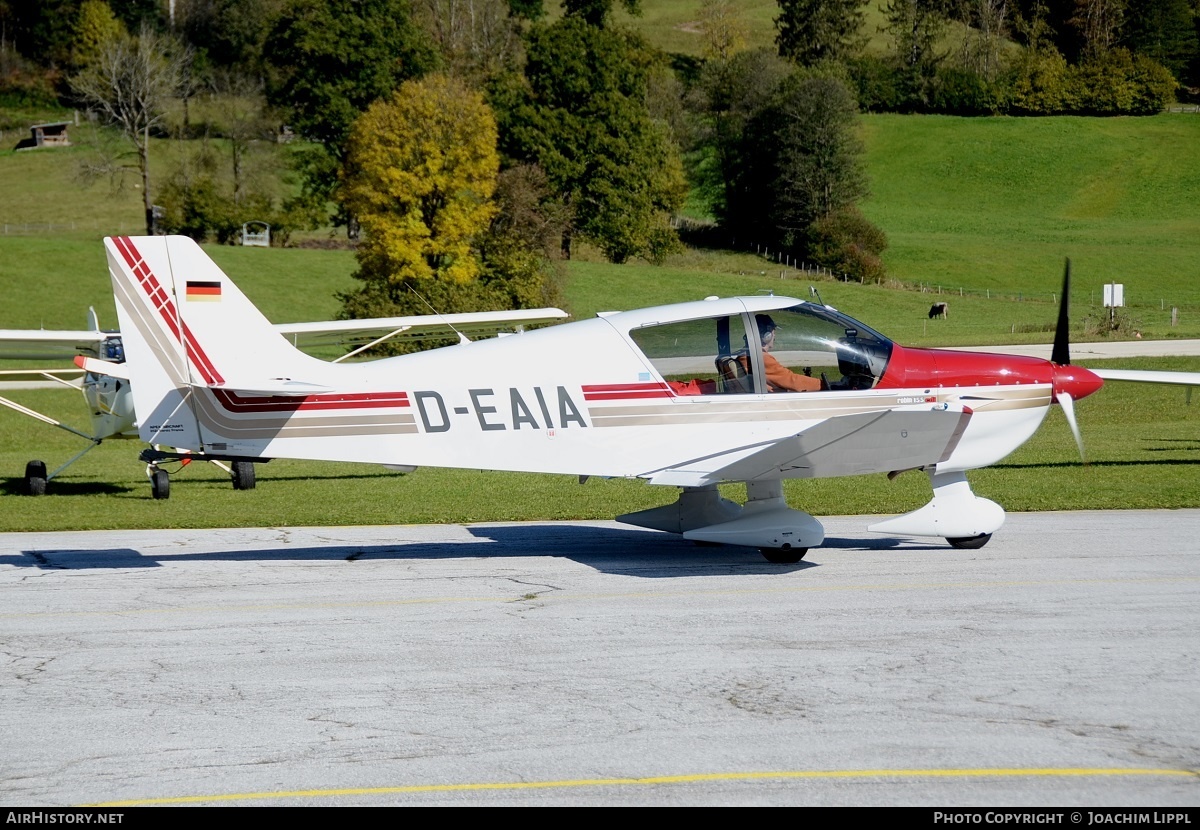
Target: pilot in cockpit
x=779 y=377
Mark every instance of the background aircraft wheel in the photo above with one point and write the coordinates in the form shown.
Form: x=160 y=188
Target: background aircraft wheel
x=35 y=478
x=160 y=484
x=969 y=542
x=783 y=556
x=243 y=475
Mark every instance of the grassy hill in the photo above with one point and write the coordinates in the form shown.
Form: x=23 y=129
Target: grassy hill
x=983 y=210
x=998 y=203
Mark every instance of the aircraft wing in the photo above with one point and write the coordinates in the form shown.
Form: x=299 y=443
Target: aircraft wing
x=870 y=442
x=41 y=344
x=378 y=329
x=1149 y=376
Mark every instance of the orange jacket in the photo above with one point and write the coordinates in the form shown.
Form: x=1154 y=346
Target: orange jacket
x=782 y=379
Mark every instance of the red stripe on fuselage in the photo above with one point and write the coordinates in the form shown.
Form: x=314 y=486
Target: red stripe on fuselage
x=234 y=402
x=625 y=391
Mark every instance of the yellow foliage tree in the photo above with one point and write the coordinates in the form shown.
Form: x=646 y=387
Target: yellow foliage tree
x=420 y=174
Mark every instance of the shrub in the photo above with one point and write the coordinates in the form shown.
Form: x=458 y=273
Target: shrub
x=958 y=91
x=1119 y=83
x=847 y=242
x=1039 y=83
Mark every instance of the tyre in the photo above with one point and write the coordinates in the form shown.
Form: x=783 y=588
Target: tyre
x=35 y=478
x=243 y=475
x=969 y=542
x=783 y=556
x=160 y=484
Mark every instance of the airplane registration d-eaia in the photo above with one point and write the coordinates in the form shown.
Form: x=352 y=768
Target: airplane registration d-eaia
x=741 y=389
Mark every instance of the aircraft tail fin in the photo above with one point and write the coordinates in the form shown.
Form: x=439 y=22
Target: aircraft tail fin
x=192 y=340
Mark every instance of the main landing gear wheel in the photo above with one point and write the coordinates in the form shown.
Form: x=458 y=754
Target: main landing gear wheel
x=969 y=542
x=35 y=478
x=243 y=475
x=783 y=556
x=160 y=484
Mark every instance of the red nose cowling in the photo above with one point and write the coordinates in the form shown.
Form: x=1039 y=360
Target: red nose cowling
x=1076 y=381
x=911 y=367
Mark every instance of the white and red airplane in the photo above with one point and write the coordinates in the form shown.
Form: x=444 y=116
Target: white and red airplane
x=690 y=395
x=107 y=391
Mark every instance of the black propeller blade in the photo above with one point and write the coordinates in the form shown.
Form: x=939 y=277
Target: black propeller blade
x=1061 y=354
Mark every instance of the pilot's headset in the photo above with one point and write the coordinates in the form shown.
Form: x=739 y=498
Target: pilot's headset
x=765 y=326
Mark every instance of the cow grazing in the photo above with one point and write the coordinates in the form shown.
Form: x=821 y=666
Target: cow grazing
x=938 y=310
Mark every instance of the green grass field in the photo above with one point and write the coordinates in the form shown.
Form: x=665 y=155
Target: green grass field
x=998 y=203
x=972 y=207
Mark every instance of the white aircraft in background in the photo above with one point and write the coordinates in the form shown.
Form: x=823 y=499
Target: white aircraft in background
x=680 y=395
x=106 y=388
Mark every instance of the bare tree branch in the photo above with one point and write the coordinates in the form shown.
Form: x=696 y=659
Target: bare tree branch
x=130 y=86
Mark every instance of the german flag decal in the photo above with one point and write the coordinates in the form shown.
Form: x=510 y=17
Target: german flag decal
x=203 y=291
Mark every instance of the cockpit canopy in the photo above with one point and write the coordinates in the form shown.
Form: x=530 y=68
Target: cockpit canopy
x=725 y=354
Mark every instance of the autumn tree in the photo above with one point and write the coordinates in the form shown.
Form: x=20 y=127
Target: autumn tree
x=130 y=85
x=421 y=176
x=421 y=169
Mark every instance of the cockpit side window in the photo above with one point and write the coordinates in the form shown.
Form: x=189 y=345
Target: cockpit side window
x=826 y=344
x=698 y=357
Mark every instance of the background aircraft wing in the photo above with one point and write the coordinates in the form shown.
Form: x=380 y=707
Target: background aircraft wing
x=1149 y=376
x=41 y=344
x=846 y=445
x=16 y=378
x=379 y=329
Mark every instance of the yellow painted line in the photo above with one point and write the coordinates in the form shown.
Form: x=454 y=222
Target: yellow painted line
x=663 y=779
x=561 y=596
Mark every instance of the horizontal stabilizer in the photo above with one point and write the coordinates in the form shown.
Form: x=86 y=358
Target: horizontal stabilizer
x=102 y=367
